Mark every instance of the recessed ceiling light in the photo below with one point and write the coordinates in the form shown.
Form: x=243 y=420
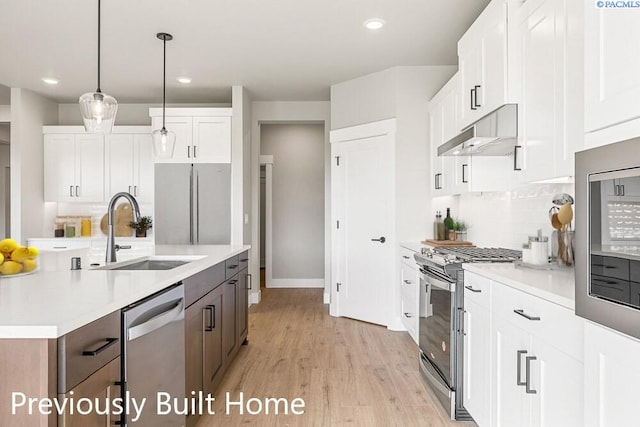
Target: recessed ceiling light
x=373 y=24
x=50 y=80
x=184 y=80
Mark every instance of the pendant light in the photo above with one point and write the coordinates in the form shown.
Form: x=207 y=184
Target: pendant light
x=164 y=141
x=98 y=109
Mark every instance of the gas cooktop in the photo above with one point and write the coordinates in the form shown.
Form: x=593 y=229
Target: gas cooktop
x=457 y=255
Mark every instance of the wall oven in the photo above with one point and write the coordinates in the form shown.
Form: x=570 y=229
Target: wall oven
x=607 y=244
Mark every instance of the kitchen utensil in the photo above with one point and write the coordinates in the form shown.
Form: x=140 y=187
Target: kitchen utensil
x=562 y=199
x=553 y=210
x=565 y=215
x=555 y=222
x=122 y=217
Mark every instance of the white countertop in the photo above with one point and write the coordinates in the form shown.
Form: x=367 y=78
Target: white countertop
x=56 y=300
x=557 y=286
x=414 y=246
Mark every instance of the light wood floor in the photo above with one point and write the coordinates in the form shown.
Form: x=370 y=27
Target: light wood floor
x=347 y=372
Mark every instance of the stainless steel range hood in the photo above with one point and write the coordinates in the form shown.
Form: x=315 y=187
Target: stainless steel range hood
x=493 y=135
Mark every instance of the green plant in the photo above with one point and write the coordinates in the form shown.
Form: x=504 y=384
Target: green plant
x=144 y=224
x=459 y=226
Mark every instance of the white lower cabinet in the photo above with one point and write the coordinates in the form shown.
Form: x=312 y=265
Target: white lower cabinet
x=409 y=283
x=612 y=377
x=521 y=368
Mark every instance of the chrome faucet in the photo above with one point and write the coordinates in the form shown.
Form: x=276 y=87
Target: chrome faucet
x=111 y=246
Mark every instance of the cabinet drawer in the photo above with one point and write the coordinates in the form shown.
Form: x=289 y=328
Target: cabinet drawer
x=198 y=285
x=87 y=349
x=243 y=260
x=556 y=325
x=231 y=266
x=406 y=256
x=608 y=266
x=409 y=310
x=608 y=287
x=634 y=271
x=477 y=288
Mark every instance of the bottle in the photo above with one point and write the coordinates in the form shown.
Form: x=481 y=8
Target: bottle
x=448 y=224
x=436 y=226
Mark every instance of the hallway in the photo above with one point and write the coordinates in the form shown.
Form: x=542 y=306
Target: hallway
x=348 y=372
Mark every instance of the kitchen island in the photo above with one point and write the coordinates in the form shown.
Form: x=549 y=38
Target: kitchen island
x=37 y=309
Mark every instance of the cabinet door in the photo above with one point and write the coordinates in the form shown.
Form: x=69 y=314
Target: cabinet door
x=492 y=92
x=97 y=387
x=121 y=160
x=196 y=319
x=477 y=362
x=229 y=336
x=470 y=65
x=558 y=382
x=212 y=139
x=59 y=168
x=612 y=377
x=143 y=169
x=510 y=406
x=183 y=128
x=242 y=305
x=409 y=283
x=213 y=326
x=612 y=66
x=89 y=168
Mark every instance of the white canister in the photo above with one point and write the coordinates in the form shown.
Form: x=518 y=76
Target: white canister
x=539 y=252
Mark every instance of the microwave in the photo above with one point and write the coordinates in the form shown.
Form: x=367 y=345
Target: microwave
x=607 y=240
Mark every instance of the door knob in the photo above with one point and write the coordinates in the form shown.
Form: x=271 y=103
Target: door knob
x=381 y=240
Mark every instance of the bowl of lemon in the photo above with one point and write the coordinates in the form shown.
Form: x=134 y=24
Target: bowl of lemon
x=17 y=260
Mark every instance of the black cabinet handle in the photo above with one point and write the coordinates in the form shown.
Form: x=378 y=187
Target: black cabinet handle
x=464 y=176
x=515 y=158
x=525 y=315
x=233 y=282
x=475 y=98
x=194 y=151
x=109 y=342
x=472 y=101
x=249 y=281
x=438 y=184
x=244 y=260
x=188 y=151
x=233 y=266
x=212 y=318
x=527 y=386
x=405 y=257
x=407 y=282
x=408 y=315
x=472 y=289
x=519 y=368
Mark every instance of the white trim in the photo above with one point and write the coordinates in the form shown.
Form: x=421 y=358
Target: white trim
x=268 y=223
x=255 y=297
x=296 y=283
x=367 y=130
x=192 y=112
x=326 y=298
x=396 y=324
x=266 y=159
x=80 y=129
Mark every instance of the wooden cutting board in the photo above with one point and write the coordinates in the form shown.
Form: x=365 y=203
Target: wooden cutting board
x=450 y=243
x=123 y=215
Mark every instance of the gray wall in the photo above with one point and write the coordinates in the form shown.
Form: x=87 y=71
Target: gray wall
x=298 y=198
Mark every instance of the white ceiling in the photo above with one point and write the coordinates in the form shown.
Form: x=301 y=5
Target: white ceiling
x=278 y=49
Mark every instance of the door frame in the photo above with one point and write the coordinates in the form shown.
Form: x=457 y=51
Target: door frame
x=267 y=162
x=386 y=128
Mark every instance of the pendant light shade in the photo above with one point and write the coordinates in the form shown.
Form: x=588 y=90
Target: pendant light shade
x=98 y=109
x=164 y=141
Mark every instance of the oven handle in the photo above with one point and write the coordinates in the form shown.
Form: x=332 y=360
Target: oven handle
x=436 y=281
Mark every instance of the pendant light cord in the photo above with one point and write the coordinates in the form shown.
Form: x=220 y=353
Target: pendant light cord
x=98 y=90
x=164 y=77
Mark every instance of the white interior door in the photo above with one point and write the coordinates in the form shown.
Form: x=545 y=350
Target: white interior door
x=364 y=228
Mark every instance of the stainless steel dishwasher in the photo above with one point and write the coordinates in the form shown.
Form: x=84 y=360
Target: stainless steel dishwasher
x=153 y=362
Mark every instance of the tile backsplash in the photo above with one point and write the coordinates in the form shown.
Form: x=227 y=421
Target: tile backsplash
x=504 y=219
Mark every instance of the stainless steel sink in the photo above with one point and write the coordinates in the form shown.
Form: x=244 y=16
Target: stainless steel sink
x=155 y=262
x=151 y=264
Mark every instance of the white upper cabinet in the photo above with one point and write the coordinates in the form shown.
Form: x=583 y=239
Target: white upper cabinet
x=482 y=61
x=442 y=126
x=612 y=74
x=203 y=135
x=73 y=166
x=550 y=75
x=130 y=163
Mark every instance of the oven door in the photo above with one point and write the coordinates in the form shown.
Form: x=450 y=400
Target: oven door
x=435 y=324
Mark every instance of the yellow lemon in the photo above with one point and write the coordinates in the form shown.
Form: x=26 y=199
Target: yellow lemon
x=29 y=265
x=10 y=267
x=8 y=245
x=20 y=254
x=33 y=251
x=1 y=258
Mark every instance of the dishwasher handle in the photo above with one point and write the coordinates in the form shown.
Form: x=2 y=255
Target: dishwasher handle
x=156 y=322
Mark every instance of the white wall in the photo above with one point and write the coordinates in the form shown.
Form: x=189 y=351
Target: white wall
x=29 y=112
x=297 y=202
x=287 y=112
x=4 y=163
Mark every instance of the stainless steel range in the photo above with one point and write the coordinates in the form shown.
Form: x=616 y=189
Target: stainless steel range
x=440 y=326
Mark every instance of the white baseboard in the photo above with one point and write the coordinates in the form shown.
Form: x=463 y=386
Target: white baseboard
x=296 y=283
x=255 y=297
x=396 y=324
x=327 y=297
